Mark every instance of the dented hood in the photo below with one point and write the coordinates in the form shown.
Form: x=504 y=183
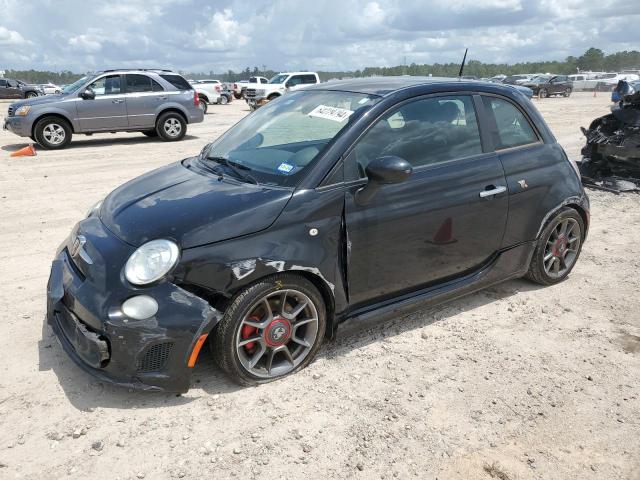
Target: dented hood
x=189 y=206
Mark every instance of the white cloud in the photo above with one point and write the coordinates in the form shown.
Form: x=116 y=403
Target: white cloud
x=194 y=35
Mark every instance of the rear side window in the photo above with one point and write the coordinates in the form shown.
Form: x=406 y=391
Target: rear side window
x=177 y=81
x=141 y=83
x=514 y=129
x=309 y=79
x=423 y=132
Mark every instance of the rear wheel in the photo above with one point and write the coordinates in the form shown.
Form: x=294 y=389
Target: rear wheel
x=203 y=105
x=543 y=93
x=270 y=330
x=237 y=96
x=31 y=95
x=223 y=100
x=171 y=127
x=52 y=133
x=558 y=248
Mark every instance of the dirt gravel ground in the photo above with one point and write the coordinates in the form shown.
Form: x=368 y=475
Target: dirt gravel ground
x=515 y=382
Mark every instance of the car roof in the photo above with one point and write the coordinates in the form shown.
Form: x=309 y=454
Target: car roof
x=384 y=86
x=158 y=71
x=297 y=73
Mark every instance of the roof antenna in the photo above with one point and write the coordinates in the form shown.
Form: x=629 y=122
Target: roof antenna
x=464 y=59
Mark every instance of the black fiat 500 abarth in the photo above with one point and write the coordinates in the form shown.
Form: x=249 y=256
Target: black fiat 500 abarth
x=338 y=202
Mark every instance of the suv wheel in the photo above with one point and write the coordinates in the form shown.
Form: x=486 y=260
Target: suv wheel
x=171 y=127
x=223 y=100
x=52 y=133
x=543 y=93
x=558 y=248
x=31 y=95
x=270 y=330
x=202 y=103
x=238 y=96
x=567 y=92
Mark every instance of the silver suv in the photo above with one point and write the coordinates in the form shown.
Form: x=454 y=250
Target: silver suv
x=155 y=102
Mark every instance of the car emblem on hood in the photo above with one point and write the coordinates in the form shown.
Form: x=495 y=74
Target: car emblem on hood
x=77 y=249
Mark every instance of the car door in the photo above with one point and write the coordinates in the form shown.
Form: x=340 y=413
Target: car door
x=4 y=91
x=531 y=167
x=294 y=82
x=13 y=89
x=108 y=109
x=446 y=220
x=143 y=95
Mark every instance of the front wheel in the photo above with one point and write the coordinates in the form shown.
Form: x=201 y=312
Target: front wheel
x=237 y=96
x=543 y=93
x=171 y=127
x=223 y=100
x=52 y=133
x=270 y=330
x=567 y=92
x=202 y=103
x=558 y=248
x=31 y=95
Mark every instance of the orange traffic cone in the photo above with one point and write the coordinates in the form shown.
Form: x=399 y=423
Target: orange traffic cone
x=28 y=151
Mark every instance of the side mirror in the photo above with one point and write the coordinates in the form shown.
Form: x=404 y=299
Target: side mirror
x=383 y=171
x=88 y=94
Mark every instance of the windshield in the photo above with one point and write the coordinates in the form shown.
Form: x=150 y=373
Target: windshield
x=278 y=79
x=75 y=85
x=277 y=142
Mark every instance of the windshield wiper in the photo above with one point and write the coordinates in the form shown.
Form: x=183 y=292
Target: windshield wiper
x=236 y=168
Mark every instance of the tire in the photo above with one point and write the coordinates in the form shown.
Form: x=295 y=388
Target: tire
x=237 y=96
x=223 y=100
x=171 y=127
x=150 y=133
x=543 y=271
x=52 y=133
x=567 y=93
x=31 y=95
x=272 y=97
x=287 y=354
x=543 y=93
x=203 y=105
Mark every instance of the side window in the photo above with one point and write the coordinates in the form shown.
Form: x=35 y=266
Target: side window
x=109 y=85
x=177 y=81
x=309 y=79
x=3 y=83
x=138 y=83
x=295 y=80
x=264 y=80
x=156 y=86
x=514 y=129
x=423 y=132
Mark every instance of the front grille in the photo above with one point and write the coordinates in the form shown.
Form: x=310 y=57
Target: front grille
x=155 y=357
x=10 y=112
x=250 y=92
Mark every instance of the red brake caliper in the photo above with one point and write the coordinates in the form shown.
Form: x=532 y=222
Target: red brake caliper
x=248 y=331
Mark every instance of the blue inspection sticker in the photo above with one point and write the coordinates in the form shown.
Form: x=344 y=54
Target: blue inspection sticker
x=285 y=167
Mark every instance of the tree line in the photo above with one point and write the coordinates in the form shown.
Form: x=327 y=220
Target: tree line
x=593 y=59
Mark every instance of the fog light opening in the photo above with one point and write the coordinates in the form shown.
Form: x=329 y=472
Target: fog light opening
x=140 y=307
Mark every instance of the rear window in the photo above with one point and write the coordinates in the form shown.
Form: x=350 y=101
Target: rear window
x=514 y=129
x=177 y=81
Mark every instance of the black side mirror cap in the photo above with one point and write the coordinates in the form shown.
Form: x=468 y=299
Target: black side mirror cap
x=88 y=94
x=383 y=171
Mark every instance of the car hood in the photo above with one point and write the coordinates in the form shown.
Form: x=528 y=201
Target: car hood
x=189 y=206
x=38 y=100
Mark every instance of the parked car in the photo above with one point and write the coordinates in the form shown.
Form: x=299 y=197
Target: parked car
x=208 y=93
x=240 y=87
x=10 y=88
x=547 y=85
x=50 y=88
x=518 y=79
x=608 y=81
x=352 y=199
x=279 y=85
x=155 y=102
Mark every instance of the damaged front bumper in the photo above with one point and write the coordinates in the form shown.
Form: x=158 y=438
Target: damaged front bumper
x=84 y=299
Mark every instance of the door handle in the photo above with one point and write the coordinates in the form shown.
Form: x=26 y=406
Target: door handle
x=161 y=98
x=117 y=100
x=493 y=191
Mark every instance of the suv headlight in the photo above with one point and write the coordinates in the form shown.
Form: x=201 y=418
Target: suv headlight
x=151 y=262
x=23 y=110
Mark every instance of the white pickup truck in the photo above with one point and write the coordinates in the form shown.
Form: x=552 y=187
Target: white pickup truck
x=277 y=86
x=240 y=87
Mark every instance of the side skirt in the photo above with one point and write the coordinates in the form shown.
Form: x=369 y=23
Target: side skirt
x=508 y=264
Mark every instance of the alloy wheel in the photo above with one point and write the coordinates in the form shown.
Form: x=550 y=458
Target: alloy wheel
x=277 y=333
x=172 y=127
x=562 y=247
x=54 y=134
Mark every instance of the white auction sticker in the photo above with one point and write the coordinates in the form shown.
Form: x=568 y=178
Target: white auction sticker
x=331 y=113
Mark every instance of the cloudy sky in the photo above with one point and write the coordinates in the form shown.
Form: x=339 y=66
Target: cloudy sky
x=209 y=35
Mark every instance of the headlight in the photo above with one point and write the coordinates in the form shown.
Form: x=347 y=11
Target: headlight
x=22 y=111
x=151 y=262
x=95 y=209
